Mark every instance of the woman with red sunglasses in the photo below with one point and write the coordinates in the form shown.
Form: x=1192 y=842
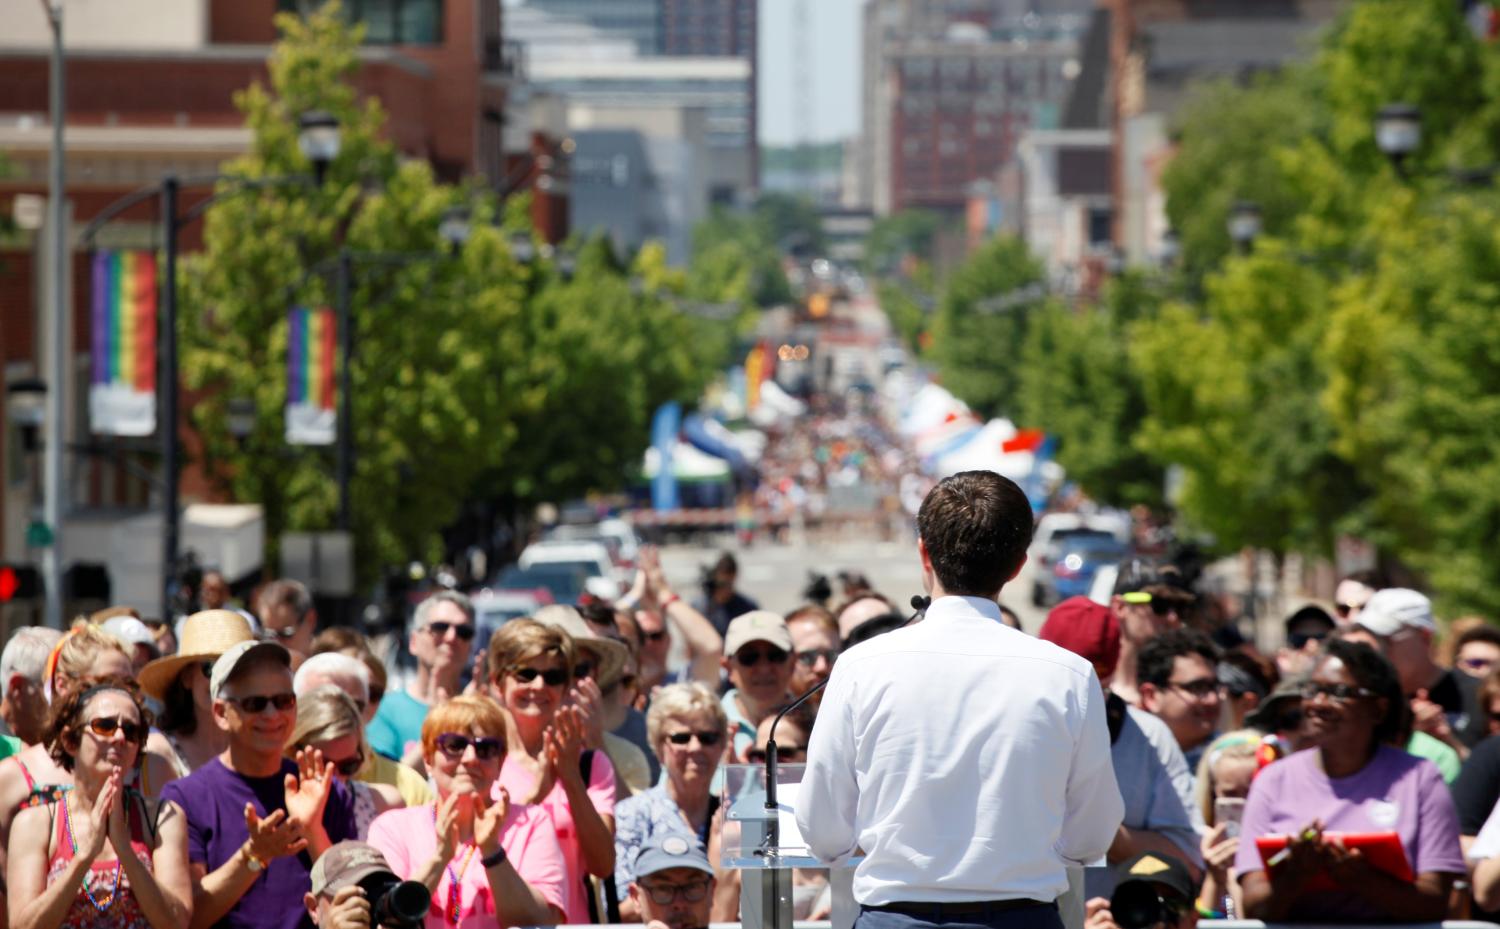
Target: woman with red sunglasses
x=101 y=856
x=485 y=860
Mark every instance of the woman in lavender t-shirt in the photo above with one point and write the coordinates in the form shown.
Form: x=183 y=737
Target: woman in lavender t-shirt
x=1354 y=780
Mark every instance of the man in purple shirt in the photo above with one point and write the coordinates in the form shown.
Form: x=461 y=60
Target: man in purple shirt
x=256 y=820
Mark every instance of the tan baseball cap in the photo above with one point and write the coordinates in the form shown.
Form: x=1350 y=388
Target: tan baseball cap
x=345 y=865
x=757 y=626
x=240 y=656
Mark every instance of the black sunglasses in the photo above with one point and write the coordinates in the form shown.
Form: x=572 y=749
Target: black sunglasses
x=553 y=678
x=582 y=670
x=758 y=755
x=350 y=766
x=1298 y=640
x=656 y=636
x=259 y=702
x=749 y=659
x=454 y=745
x=706 y=739
x=439 y=630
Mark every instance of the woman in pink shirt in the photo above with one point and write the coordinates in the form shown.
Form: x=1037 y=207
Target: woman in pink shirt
x=532 y=667
x=486 y=861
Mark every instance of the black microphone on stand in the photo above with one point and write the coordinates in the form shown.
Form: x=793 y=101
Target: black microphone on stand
x=771 y=748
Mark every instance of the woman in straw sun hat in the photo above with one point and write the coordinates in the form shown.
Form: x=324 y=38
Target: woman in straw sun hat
x=186 y=737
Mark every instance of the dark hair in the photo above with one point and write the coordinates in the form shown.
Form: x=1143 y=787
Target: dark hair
x=1154 y=663
x=338 y=638
x=286 y=593
x=599 y=613
x=727 y=563
x=976 y=527
x=1260 y=671
x=1485 y=633
x=179 y=714
x=66 y=722
x=1374 y=673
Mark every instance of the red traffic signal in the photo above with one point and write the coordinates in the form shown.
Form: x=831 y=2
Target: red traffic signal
x=19 y=582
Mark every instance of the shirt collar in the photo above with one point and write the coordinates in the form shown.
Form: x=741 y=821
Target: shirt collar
x=955 y=606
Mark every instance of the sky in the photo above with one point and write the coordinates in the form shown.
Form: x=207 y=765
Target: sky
x=834 y=98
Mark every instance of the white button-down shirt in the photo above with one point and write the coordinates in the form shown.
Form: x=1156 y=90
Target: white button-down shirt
x=968 y=760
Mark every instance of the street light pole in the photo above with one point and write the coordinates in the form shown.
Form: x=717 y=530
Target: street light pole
x=58 y=332
x=346 y=387
x=168 y=379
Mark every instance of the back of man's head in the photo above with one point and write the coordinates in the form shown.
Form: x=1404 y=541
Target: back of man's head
x=976 y=527
x=26 y=654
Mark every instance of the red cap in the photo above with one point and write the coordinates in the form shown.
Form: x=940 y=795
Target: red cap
x=1086 y=629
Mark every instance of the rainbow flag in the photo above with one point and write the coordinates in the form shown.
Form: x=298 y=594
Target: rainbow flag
x=122 y=390
x=312 y=347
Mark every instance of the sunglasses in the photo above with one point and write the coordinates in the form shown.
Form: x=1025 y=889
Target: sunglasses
x=454 y=745
x=1336 y=693
x=1200 y=689
x=105 y=727
x=1298 y=640
x=664 y=894
x=1159 y=605
x=1476 y=664
x=350 y=766
x=258 y=703
x=758 y=755
x=706 y=739
x=749 y=659
x=285 y=632
x=653 y=637
x=439 y=630
x=553 y=678
x=810 y=657
x=583 y=670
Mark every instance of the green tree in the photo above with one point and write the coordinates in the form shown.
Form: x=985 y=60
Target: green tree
x=980 y=330
x=903 y=235
x=1078 y=384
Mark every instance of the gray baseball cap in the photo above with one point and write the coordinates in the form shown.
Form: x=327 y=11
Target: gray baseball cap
x=670 y=851
x=240 y=656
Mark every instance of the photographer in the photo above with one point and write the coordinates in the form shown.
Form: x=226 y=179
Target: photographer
x=1151 y=892
x=342 y=881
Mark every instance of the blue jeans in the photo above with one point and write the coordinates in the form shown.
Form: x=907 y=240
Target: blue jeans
x=1041 y=916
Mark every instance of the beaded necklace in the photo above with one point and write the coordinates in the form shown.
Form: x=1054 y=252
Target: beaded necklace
x=451 y=913
x=73 y=846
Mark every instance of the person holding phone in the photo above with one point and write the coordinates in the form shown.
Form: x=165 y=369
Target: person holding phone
x=1351 y=781
x=1223 y=782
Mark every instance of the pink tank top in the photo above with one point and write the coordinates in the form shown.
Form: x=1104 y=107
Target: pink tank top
x=116 y=906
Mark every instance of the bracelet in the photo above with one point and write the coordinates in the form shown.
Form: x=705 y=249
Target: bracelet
x=670 y=600
x=493 y=859
x=1208 y=913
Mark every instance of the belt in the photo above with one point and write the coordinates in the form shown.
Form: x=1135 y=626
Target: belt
x=957 y=908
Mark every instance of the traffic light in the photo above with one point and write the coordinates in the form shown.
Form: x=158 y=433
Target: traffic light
x=19 y=582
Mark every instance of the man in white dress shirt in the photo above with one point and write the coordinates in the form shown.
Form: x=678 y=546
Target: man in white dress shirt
x=968 y=761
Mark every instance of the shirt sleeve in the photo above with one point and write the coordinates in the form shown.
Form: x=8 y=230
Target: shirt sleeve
x=197 y=838
x=829 y=795
x=532 y=848
x=1478 y=786
x=630 y=834
x=1094 y=808
x=338 y=813
x=1438 y=847
x=1172 y=806
x=602 y=784
x=385 y=836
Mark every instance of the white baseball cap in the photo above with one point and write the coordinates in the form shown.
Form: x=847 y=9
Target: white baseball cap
x=1396 y=608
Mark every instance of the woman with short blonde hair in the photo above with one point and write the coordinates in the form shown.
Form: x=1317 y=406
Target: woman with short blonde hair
x=329 y=720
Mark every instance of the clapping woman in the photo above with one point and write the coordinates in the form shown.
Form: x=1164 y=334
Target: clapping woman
x=101 y=855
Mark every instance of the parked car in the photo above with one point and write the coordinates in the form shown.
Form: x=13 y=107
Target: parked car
x=591 y=558
x=616 y=534
x=496 y=606
x=1080 y=555
x=564 y=582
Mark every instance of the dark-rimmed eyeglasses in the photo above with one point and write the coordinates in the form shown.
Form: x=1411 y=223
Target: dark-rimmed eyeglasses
x=665 y=894
x=106 y=726
x=706 y=739
x=556 y=677
x=809 y=657
x=453 y=745
x=1200 y=689
x=256 y=704
x=1336 y=693
x=750 y=657
x=439 y=630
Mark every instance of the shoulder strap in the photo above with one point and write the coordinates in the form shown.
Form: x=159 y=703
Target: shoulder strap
x=26 y=773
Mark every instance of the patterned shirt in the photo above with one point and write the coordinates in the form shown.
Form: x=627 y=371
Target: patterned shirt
x=644 y=817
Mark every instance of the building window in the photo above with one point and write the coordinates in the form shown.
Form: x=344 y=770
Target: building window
x=388 y=22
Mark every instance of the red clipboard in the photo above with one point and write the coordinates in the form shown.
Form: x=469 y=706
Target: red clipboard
x=1381 y=849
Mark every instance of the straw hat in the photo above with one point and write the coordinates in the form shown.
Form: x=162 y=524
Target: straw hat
x=204 y=637
x=609 y=655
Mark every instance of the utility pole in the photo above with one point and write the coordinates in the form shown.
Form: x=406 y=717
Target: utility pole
x=58 y=332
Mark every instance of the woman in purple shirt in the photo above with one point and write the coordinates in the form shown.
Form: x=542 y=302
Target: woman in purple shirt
x=1353 y=780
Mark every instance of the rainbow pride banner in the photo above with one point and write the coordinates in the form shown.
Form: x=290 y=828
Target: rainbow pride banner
x=312 y=346
x=122 y=388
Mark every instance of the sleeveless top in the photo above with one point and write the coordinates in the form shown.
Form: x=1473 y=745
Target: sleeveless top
x=364 y=808
x=39 y=794
x=119 y=907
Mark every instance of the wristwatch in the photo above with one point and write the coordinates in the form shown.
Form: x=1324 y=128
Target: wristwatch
x=253 y=863
x=497 y=857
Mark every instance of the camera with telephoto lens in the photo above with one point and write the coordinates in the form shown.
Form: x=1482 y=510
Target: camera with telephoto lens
x=1137 y=905
x=396 y=904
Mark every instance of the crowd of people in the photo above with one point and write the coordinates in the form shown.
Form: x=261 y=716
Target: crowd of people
x=245 y=769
